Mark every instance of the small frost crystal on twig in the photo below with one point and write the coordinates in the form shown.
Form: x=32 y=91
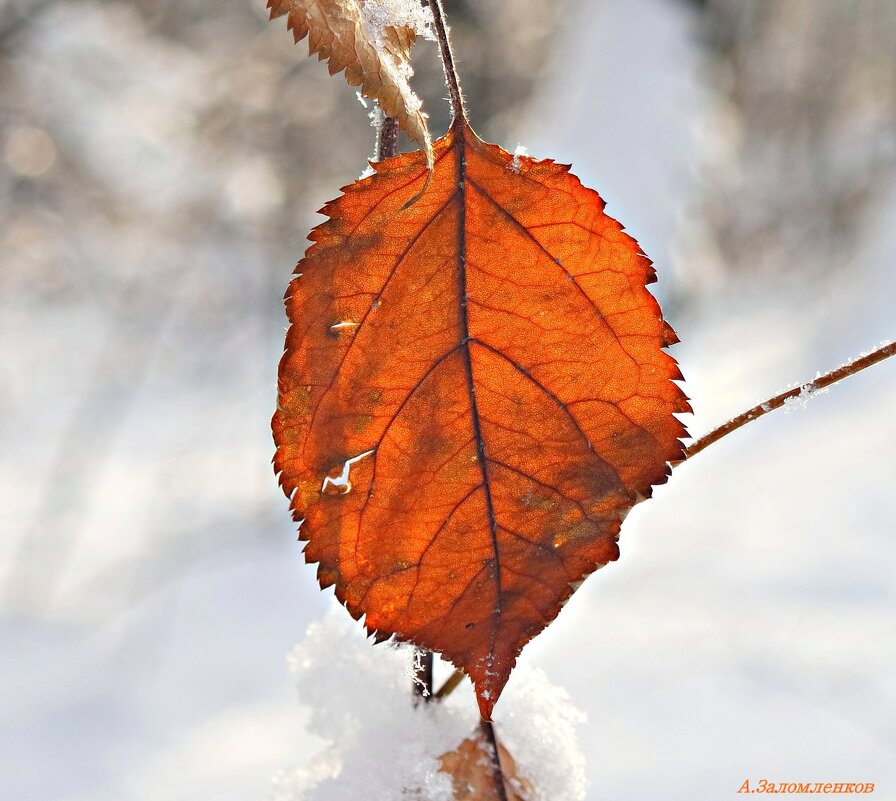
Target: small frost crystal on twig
x=797 y=395
x=807 y=391
x=371 y=40
x=413 y=673
x=378 y=745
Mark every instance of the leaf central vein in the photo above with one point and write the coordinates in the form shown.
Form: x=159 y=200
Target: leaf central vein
x=463 y=314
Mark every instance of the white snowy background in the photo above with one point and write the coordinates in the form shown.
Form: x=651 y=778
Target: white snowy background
x=150 y=582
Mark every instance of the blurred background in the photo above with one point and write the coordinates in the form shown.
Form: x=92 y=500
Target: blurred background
x=160 y=164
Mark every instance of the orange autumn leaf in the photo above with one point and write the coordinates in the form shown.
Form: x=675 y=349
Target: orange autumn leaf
x=473 y=395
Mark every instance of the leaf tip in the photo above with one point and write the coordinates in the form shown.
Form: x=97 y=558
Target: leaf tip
x=486 y=706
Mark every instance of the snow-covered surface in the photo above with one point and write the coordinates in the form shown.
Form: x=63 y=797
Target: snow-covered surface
x=375 y=744
x=748 y=631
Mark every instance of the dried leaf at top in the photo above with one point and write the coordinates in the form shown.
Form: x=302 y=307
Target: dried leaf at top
x=375 y=56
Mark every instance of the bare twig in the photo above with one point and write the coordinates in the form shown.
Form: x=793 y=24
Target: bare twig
x=451 y=77
x=822 y=381
x=450 y=684
x=387 y=139
x=487 y=729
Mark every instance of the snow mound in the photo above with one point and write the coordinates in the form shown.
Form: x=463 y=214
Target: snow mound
x=379 y=746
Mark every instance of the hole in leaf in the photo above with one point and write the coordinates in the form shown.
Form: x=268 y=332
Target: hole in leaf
x=341 y=485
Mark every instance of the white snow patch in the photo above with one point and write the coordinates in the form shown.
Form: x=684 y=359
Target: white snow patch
x=381 y=746
x=539 y=727
x=377 y=118
x=518 y=154
x=381 y=14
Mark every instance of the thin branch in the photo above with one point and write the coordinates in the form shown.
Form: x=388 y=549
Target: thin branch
x=487 y=729
x=387 y=139
x=822 y=381
x=450 y=685
x=451 y=78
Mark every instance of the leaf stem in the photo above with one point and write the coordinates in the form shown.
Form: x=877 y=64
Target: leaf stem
x=450 y=685
x=387 y=139
x=776 y=402
x=451 y=77
x=487 y=729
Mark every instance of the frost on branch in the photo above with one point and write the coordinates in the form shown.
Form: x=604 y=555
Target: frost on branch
x=380 y=746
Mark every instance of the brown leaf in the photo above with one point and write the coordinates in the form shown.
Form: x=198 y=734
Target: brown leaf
x=378 y=61
x=474 y=393
x=471 y=767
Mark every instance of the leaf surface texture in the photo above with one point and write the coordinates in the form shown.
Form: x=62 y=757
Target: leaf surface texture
x=474 y=393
